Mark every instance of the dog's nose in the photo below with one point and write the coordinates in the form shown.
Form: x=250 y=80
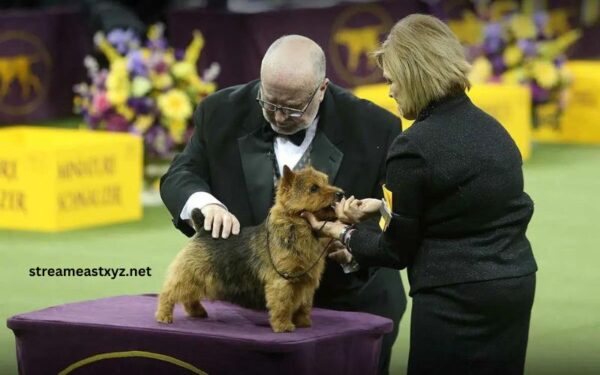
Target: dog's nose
x=339 y=195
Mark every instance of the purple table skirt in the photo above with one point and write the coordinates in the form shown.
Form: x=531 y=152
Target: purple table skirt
x=118 y=335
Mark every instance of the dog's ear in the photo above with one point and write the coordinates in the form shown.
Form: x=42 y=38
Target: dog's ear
x=288 y=177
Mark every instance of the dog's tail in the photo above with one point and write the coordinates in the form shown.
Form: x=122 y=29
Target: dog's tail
x=198 y=220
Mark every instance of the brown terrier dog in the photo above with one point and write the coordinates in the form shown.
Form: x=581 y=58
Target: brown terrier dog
x=277 y=264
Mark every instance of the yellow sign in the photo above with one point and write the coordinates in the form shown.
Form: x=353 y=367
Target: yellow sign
x=579 y=121
x=24 y=76
x=57 y=179
x=355 y=33
x=509 y=104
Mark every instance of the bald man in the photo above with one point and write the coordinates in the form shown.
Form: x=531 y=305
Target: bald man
x=292 y=116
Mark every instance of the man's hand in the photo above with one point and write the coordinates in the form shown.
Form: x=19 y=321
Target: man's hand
x=217 y=218
x=354 y=210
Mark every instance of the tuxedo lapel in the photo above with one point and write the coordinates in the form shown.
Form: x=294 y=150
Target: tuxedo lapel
x=325 y=157
x=257 y=163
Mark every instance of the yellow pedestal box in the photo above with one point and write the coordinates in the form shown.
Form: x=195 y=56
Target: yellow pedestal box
x=509 y=104
x=580 y=121
x=57 y=179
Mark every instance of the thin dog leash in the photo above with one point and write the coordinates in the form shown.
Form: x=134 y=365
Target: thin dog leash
x=286 y=275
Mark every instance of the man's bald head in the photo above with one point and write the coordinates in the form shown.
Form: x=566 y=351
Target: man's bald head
x=293 y=61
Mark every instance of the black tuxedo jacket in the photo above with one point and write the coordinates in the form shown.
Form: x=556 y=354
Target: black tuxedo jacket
x=227 y=158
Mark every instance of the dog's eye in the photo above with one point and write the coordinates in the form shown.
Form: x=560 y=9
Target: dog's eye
x=314 y=189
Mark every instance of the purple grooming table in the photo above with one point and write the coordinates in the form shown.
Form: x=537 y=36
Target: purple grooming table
x=119 y=335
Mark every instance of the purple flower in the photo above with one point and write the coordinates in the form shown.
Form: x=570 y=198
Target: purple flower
x=540 y=19
x=142 y=105
x=136 y=64
x=158 y=141
x=528 y=47
x=179 y=54
x=157 y=44
x=538 y=94
x=498 y=65
x=99 y=80
x=117 y=123
x=492 y=41
x=122 y=40
x=161 y=67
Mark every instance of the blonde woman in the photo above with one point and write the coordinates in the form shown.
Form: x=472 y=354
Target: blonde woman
x=458 y=213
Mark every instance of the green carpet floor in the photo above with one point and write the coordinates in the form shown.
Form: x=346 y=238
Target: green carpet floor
x=564 y=182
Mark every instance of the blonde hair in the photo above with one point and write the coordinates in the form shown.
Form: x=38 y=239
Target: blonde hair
x=425 y=60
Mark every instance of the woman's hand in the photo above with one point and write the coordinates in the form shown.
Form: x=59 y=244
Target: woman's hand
x=339 y=253
x=354 y=210
x=331 y=229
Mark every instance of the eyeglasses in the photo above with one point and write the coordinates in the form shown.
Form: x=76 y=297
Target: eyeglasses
x=289 y=112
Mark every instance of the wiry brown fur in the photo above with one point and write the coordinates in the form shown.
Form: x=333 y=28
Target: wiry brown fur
x=239 y=270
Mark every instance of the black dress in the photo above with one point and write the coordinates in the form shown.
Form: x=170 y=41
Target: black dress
x=459 y=220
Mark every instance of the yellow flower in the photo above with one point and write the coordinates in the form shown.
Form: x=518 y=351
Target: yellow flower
x=192 y=52
x=177 y=129
x=512 y=55
x=169 y=57
x=481 y=70
x=551 y=49
x=469 y=29
x=200 y=87
x=514 y=76
x=117 y=82
x=498 y=8
x=143 y=122
x=523 y=27
x=161 y=81
x=140 y=86
x=125 y=111
x=183 y=70
x=175 y=105
x=545 y=73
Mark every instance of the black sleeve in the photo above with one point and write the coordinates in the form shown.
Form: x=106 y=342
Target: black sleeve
x=188 y=173
x=406 y=178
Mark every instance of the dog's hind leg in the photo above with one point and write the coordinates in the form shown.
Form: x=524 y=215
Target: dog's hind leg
x=195 y=309
x=166 y=304
x=192 y=305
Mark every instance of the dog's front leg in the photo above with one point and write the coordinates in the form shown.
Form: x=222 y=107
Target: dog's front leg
x=281 y=305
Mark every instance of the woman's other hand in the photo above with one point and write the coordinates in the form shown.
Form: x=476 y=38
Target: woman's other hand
x=352 y=210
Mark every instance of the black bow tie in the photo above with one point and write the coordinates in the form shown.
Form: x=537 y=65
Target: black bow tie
x=268 y=134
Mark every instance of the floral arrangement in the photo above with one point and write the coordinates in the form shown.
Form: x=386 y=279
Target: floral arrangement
x=149 y=89
x=509 y=43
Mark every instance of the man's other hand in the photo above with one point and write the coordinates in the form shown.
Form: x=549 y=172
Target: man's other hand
x=220 y=221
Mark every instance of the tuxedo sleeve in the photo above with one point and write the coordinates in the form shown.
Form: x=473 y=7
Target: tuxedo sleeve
x=188 y=174
x=406 y=178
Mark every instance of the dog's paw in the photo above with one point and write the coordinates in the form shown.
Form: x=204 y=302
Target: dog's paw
x=283 y=327
x=164 y=318
x=303 y=321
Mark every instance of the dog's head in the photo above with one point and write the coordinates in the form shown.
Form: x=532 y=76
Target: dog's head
x=308 y=190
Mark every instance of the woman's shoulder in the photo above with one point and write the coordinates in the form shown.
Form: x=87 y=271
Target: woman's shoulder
x=406 y=143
